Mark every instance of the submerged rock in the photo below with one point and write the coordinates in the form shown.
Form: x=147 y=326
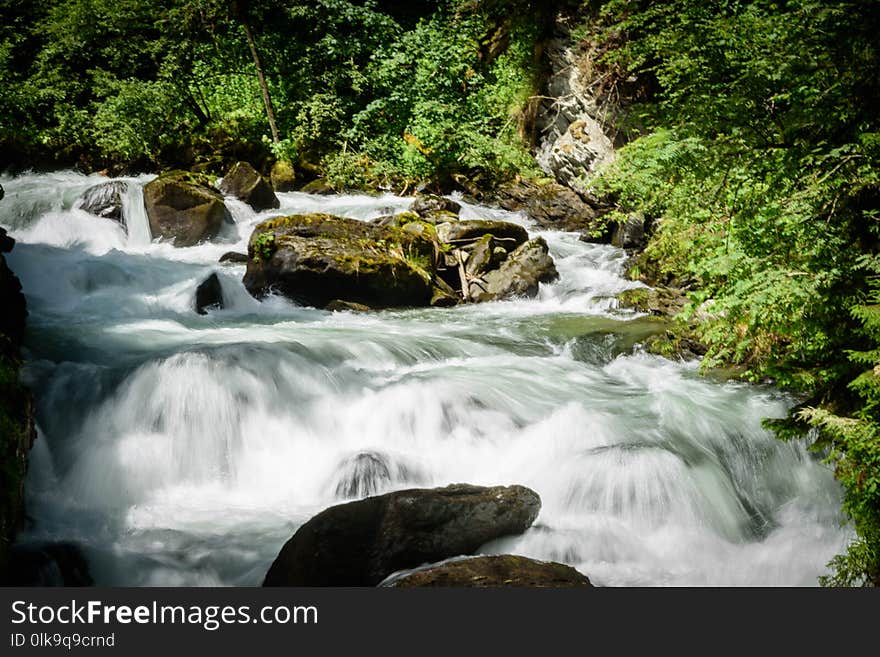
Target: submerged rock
x=519 y=275
x=361 y=543
x=209 y=295
x=246 y=184
x=184 y=207
x=233 y=257
x=494 y=571
x=340 y=304
x=104 y=200
x=316 y=258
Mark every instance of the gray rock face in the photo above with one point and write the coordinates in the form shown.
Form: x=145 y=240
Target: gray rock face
x=209 y=294
x=575 y=118
x=631 y=233
x=246 y=184
x=503 y=570
x=518 y=275
x=104 y=200
x=361 y=543
x=183 y=206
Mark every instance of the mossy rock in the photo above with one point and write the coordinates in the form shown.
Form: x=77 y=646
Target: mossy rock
x=283 y=176
x=459 y=233
x=314 y=259
x=246 y=184
x=184 y=207
x=660 y=301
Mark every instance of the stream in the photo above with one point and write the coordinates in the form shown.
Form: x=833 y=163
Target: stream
x=183 y=450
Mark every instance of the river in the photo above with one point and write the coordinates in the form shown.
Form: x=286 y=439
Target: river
x=180 y=449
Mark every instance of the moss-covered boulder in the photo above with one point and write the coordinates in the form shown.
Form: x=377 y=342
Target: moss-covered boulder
x=314 y=259
x=246 y=184
x=282 y=176
x=184 y=207
x=505 y=570
x=518 y=276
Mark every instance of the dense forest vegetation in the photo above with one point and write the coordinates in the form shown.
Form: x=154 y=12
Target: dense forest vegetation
x=752 y=149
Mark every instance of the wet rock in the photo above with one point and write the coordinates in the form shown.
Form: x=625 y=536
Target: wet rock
x=519 y=275
x=17 y=415
x=2 y=193
x=246 y=184
x=396 y=220
x=361 y=543
x=318 y=186
x=506 y=234
x=552 y=206
x=435 y=209
x=495 y=571
x=209 y=295
x=366 y=473
x=233 y=257
x=51 y=564
x=316 y=258
x=282 y=176
x=184 y=207
x=660 y=300
x=104 y=200
x=340 y=304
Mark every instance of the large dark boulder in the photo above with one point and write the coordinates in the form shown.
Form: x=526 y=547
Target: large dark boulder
x=631 y=234
x=314 y=259
x=209 y=295
x=184 y=207
x=246 y=184
x=504 y=570
x=104 y=200
x=50 y=564
x=519 y=275
x=17 y=415
x=361 y=543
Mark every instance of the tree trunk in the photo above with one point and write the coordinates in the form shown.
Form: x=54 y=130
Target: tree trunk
x=264 y=89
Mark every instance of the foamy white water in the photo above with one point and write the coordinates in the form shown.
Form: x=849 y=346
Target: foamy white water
x=181 y=449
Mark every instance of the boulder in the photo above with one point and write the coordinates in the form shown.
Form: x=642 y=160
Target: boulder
x=361 y=543
x=316 y=258
x=184 y=207
x=519 y=275
x=318 y=186
x=209 y=295
x=104 y=200
x=551 y=205
x=2 y=193
x=233 y=257
x=495 y=571
x=282 y=176
x=246 y=184
x=506 y=234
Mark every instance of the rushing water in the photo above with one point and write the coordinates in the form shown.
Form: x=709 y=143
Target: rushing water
x=180 y=449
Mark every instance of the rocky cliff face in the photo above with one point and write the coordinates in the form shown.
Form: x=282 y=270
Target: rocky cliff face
x=581 y=104
x=17 y=426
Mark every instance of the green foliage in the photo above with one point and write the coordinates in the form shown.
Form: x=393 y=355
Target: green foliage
x=758 y=157
x=263 y=247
